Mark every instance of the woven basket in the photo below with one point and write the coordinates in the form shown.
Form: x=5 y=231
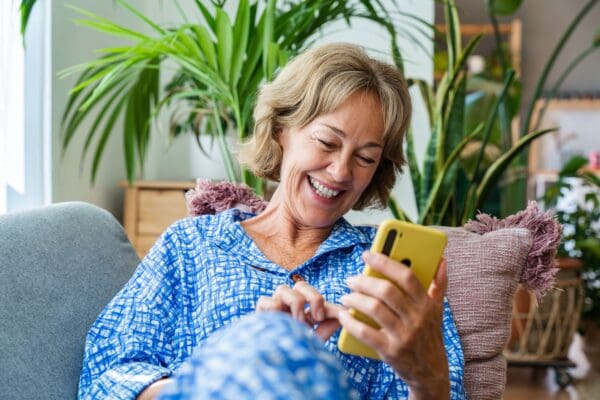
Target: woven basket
x=544 y=333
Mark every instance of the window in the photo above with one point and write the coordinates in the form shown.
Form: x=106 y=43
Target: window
x=12 y=91
x=25 y=109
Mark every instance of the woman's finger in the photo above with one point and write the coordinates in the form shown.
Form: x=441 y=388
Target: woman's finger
x=382 y=289
x=371 y=336
x=327 y=328
x=266 y=303
x=314 y=299
x=437 y=289
x=373 y=308
x=292 y=299
x=397 y=272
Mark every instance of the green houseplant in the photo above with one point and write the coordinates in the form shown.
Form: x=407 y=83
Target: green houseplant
x=576 y=198
x=446 y=192
x=220 y=64
x=450 y=187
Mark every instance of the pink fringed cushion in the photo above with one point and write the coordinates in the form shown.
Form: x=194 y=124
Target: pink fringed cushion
x=486 y=261
x=212 y=197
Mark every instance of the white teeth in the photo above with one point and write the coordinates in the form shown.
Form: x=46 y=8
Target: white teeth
x=322 y=190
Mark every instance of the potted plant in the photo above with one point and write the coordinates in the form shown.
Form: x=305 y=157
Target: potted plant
x=576 y=198
x=448 y=187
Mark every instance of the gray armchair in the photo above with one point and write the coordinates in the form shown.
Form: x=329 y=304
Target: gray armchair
x=59 y=267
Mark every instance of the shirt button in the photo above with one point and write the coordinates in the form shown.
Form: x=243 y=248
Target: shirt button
x=297 y=278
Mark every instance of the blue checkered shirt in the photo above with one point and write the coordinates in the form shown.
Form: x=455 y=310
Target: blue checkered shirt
x=205 y=273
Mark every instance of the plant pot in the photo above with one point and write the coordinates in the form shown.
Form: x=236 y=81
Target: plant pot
x=591 y=343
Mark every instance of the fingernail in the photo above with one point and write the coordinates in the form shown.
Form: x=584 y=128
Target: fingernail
x=368 y=256
x=351 y=280
x=344 y=299
x=320 y=315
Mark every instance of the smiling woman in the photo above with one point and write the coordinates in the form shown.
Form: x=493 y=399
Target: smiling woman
x=315 y=84
x=330 y=129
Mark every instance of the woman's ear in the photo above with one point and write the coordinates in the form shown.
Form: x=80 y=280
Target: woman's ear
x=280 y=135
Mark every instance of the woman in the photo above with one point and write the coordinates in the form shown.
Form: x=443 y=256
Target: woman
x=330 y=129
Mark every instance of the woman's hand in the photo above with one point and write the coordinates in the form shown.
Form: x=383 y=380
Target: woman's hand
x=320 y=313
x=410 y=319
x=154 y=389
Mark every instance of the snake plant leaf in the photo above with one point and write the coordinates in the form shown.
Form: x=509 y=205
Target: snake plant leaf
x=453 y=37
x=596 y=40
x=557 y=85
x=498 y=166
x=541 y=82
x=241 y=29
x=396 y=210
x=224 y=42
x=453 y=136
x=442 y=175
x=489 y=124
x=413 y=167
x=504 y=7
x=458 y=72
x=426 y=95
x=447 y=84
x=429 y=163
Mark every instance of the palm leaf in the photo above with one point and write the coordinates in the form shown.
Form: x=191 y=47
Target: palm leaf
x=224 y=43
x=240 y=39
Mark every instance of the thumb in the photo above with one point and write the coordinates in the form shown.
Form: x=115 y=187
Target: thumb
x=437 y=289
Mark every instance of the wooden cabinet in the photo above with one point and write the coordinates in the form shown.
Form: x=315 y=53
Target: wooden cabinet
x=150 y=207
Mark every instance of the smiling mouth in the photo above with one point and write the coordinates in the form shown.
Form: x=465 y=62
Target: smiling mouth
x=321 y=190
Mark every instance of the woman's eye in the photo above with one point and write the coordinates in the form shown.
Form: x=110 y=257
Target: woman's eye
x=326 y=144
x=366 y=160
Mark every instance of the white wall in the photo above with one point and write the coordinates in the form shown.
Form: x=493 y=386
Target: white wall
x=71 y=45
x=181 y=160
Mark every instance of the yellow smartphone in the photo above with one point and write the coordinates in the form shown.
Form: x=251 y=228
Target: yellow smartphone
x=418 y=247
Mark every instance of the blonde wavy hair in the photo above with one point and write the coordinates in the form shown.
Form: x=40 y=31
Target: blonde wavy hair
x=317 y=82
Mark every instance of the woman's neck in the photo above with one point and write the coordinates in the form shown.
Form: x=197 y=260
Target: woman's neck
x=281 y=237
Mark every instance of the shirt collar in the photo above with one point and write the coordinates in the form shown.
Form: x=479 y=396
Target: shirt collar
x=235 y=239
x=343 y=235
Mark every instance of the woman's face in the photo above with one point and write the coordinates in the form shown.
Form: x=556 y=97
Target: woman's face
x=328 y=163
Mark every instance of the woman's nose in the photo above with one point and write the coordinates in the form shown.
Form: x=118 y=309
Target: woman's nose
x=340 y=169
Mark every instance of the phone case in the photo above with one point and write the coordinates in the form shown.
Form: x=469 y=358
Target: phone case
x=419 y=247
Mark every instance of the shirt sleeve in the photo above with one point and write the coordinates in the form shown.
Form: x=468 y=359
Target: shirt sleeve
x=130 y=345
